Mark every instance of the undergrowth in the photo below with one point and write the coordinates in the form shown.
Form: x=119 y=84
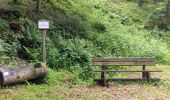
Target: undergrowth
x=81 y=29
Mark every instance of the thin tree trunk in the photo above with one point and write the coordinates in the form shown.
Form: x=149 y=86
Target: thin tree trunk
x=168 y=12
x=38 y=5
x=141 y=2
x=15 y=1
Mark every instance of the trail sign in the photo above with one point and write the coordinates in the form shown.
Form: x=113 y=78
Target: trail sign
x=43 y=24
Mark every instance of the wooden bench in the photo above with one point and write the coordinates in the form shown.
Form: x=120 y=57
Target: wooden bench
x=106 y=61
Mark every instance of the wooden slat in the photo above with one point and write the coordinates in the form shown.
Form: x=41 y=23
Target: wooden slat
x=128 y=71
x=126 y=79
x=127 y=59
x=132 y=63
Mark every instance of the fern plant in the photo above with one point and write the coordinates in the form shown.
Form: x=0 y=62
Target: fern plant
x=31 y=36
x=2 y=51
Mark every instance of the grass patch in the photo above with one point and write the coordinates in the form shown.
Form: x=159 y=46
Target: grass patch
x=59 y=85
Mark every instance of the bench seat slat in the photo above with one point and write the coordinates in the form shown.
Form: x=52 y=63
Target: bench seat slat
x=128 y=71
x=126 y=79
x=126 y=59
x=147 y=63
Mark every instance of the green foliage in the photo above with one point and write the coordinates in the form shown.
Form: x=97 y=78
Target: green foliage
x=30 y=41
x=99 y=27
x=9 y=37
x=11 y=50
x=11 y=14
x=75 y=36
x=160 y=16
x=3 y=57
x=31 y=36
x=33 y=53
x=3 y=25
x=71 y=55
x=22 y=2
x=1 y=50
x=82 y=29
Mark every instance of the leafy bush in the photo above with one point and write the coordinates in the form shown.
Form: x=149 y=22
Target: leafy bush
x=71 y=55
x=2 y=51
x=4 y=26
x=99 y=27
x=29 y=41
x=11 y=50
x=31 y=36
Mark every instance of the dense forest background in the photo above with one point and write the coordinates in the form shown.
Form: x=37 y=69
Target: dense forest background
x=82 y=29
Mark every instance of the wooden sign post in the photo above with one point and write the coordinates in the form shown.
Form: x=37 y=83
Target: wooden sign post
x=44 y=26
x=44 y=46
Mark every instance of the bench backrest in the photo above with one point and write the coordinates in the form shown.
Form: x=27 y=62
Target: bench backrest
x=106 y=61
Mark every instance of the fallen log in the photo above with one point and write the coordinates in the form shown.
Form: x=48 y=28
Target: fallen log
x=20 y=74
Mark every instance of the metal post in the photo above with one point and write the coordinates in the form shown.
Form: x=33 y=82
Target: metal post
x=44 y=46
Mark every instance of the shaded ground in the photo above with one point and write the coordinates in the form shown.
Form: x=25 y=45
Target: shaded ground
x=142 y=90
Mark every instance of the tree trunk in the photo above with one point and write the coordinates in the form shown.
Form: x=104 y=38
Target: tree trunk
x=20 y=74
x=15 y=1
x=38 y=6
x=168 y=12
x=141 y=3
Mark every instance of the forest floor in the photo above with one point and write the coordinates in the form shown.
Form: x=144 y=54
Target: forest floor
x=138 y=90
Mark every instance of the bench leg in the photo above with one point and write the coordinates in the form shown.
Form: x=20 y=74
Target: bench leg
x=148 y=76
x=144 y=74
x=103 y=76
x=104 y=80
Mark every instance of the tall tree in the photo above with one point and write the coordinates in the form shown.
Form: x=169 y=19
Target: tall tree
x=38 y=3
x=15 y=1
x=141 y=2
x=168 y=11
